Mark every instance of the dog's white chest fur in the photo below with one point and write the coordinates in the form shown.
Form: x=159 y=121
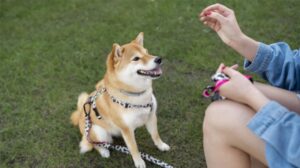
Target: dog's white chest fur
x=137 y=117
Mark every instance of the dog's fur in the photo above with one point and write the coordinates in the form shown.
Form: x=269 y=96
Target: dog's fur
x=123 y=74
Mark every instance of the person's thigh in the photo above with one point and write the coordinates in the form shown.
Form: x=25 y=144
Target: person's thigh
x=286 y=98
x=228 y=121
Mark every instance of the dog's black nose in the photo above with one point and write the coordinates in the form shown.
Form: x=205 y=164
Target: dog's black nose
x=158 y=60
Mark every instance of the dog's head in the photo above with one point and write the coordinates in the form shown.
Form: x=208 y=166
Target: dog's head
x=132 y=64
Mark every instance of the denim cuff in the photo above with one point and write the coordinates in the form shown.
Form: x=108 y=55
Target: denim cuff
x=261 y=61
x=265 y=117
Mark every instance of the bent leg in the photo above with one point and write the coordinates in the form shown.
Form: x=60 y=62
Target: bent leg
x=84 y=145
x=102 y=136
x=227 y=140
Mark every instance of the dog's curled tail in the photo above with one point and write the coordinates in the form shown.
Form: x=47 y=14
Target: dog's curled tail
x=76 y=114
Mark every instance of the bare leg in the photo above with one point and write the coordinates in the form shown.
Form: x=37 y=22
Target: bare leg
x=226 y=136
x=227 y=140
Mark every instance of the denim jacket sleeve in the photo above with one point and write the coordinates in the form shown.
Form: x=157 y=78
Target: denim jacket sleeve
x=278 y=64
x=280 y=129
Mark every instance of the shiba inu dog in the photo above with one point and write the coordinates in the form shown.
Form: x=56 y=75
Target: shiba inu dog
x=127 y=103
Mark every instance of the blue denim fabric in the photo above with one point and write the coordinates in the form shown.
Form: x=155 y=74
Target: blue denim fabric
x=278 y=64
x=280 y=129
x=275 y=124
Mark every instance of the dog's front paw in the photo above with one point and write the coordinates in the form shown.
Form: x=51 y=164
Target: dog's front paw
x=163 y=147
x=139 y=163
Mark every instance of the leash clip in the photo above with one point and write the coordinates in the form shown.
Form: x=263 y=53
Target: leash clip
x=208 y=91
x=87 y=111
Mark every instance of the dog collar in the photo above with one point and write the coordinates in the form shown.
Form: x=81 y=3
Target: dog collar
x=129 y=105
x=120 y=102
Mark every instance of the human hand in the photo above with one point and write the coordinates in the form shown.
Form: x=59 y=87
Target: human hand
x=240 y=89
x=222 y=66
x=222 y=20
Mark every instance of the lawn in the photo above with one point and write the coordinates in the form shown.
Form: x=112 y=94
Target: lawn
x=53 y=50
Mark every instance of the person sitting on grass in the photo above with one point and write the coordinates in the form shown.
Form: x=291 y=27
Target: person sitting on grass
x=256 y=120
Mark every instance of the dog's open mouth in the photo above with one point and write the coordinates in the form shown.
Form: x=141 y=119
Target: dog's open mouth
x=156 y=72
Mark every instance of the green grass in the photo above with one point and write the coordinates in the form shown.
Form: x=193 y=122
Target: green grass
x=53 y=50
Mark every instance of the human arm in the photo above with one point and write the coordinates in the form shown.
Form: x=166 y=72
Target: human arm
x=286 y=98
x=222 y=20
x=278 y=64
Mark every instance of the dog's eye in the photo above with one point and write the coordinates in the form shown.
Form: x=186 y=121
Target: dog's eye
x=136 y=59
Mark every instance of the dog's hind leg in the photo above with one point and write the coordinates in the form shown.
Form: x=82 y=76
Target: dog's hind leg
x=103 y=151
x=102 y=136
x=85 y=146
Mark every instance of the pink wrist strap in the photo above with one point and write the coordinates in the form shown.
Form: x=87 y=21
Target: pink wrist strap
x=212 y=89
x=219 y=84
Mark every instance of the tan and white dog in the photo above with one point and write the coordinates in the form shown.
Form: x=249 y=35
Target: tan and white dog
x=129 y=75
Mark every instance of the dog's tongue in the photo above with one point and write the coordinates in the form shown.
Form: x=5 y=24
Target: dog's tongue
x=157 y=70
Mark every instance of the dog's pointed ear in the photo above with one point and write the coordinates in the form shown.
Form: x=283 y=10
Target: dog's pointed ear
x=114 y=57
x=116 y=51
x=140 y=39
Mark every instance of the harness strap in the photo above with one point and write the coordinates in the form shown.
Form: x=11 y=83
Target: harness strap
x=87 y=111
x=97 y=113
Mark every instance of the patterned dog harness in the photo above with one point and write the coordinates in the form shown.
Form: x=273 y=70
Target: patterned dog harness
x=213 y=91
x=88 y=125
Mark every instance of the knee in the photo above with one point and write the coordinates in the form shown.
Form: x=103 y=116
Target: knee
x=211 y=119
x=222 y=116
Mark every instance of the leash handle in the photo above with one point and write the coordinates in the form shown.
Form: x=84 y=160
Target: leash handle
x=219 y=84
x=219 y=79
